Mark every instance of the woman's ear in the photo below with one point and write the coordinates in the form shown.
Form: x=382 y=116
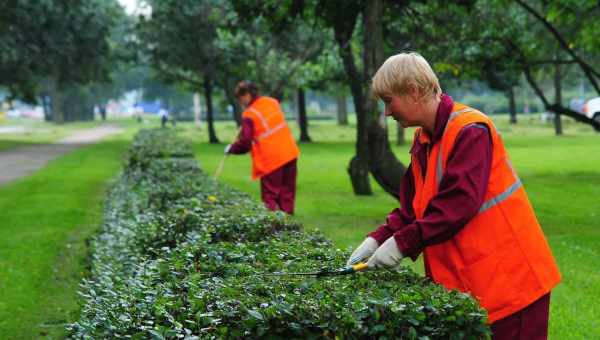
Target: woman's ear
x=414 y=94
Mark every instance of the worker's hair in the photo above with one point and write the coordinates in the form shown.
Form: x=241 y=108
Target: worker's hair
x=244 y=87
x=402 y=71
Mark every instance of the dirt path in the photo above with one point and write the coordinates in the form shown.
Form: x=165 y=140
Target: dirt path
x=11 y=129
x=24 y=160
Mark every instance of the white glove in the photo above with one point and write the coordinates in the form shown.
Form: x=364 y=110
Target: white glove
x=387 y=255
x=227 y=148
x=365 y=250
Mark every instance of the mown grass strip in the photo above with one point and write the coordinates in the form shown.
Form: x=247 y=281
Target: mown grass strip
x=45 y=222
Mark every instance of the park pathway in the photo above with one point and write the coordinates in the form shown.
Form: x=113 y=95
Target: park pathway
x=24 y=160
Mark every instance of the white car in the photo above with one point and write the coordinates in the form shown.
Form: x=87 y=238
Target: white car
x=592 y=109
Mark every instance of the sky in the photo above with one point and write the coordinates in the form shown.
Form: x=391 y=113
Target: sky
x=131 y=7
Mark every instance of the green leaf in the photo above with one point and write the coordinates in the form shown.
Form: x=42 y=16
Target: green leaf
x=256 y=314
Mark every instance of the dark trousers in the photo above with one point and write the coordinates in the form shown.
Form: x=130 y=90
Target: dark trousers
x=530 y=323
x=278 y=189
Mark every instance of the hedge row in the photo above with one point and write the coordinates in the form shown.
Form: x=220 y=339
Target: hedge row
x=181 y=256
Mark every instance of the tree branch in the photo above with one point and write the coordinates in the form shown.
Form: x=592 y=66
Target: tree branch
x=556 y=108
x=535 y=86
x=310 y=54
x=586 y=68
x=561 y=110
x=179 y=76
x=551 y=62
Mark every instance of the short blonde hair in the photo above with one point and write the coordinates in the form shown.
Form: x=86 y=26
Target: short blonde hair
x=402 y=71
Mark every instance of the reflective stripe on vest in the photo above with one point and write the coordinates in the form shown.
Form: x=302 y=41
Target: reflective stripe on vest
x=273 y=144
x=504 y=195
x=268 y=130
x=500 y=256
x=500 y=197
x=492 y=201
x=438 y=173
x=271 y=131
x=260 y=116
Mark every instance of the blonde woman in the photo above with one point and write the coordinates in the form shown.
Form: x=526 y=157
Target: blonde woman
x=462 y=205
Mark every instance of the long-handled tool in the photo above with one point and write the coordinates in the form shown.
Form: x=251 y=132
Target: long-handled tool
x=220 y=167
x=222 y=163
x=344 y=271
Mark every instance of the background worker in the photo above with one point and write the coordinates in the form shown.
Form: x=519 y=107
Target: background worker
x=274 y=152
x=164 y=117
x=463 y=206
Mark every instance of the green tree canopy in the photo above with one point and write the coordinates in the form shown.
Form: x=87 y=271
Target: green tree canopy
x=63 y=42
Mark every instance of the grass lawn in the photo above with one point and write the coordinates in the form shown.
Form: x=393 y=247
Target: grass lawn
x=47 y=217
x=46 y=220
x=561 y=175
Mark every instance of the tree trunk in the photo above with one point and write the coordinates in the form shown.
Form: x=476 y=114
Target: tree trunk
x=237 y=110
x=557 y=98
x=197 y=111
x=278 y=94
x=46 y=105
x=373 y=153
x=102 y=109
x=400 y=135
x=302 y=120
x=58 y=115
x=342 y=110
x=212 y=136
x=383 y=164
x=512 y=105
x=358 y=168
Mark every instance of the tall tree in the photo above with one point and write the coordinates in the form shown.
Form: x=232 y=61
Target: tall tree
x=180 y=40
x=521 y=47
x=66 y=42
x=281 y=61
x=574 y=28
x=323 y=74
x=275 y=59
x=350 y=21
x=557 y=98
x=342 y=108
x=373 y=151
x=302 y=120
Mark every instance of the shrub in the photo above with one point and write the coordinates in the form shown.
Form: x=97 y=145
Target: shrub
x=149 y=145
x=182 y=256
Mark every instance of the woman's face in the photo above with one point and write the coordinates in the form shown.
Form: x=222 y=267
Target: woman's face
x=404 y=109
x=245 y=99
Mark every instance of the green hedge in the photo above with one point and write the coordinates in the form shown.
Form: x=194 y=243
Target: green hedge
x=182 y=256
x=149 y=145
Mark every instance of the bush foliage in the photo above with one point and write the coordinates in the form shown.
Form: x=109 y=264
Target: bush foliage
x=181 y=256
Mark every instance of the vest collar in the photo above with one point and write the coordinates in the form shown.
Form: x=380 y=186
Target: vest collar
x=253 y=100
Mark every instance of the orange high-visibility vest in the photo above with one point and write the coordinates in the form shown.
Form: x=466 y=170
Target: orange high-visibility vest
x=273 y=144
x=501 y=256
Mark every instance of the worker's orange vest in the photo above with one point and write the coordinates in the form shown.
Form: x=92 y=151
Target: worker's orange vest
x=273 y=144
x=501 y=256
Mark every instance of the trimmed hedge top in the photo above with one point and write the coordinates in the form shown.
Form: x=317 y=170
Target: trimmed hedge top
x=148 y=145
x=182 y=256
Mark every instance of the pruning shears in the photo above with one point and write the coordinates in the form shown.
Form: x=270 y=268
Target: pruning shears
x=344 y=271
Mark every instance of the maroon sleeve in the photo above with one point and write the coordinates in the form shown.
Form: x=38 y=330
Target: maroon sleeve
x=460 y=194
x=243 y=143
x=398 y=218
